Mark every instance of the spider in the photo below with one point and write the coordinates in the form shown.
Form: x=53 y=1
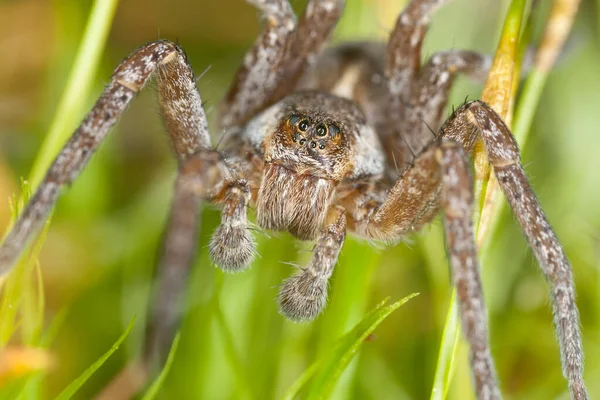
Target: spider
x=321 y=143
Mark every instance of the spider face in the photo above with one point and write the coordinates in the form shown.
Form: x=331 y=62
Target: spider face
x=311 y=143
x=310 y=135
x=306 y=155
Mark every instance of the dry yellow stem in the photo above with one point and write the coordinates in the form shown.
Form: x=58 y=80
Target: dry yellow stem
x=557 y=30
x=490 y=201
x=498 y=87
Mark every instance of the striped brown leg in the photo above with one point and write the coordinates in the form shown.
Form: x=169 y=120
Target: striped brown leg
x=280 y=54
x=303 y=296
x=422 y=116
x=232 y=247
x=403 y=63
x=503 y=154
x=181 y=107
x=201 y=176
x=408 y=205
x=418 y=93
x=408 y=202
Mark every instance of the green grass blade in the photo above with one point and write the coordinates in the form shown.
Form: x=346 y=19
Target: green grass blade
x=74 y=386
x=157 y=384
x=347 y=303
x=451 y=334
x=299 y=383
x=81 y=78
x=50 y=334
x=13 y=290
x=243 y=387
x=329 y=368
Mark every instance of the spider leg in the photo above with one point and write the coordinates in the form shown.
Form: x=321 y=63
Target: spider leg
x=402 y=210
x=201 y=175
x=303 y=296
x=457 y=203
x=503 y=154
x=280 y=54
x=198 y=176
x=182 y=109
x=429 y=98
x=232 y=247
x=416 y=94
x=403 y=59
x=408 y=205
x=423 y=115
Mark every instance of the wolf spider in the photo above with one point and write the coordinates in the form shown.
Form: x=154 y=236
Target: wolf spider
x=315 y=141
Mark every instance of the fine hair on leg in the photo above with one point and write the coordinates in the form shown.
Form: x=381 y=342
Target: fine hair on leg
x=187 y=128
x=304 y=295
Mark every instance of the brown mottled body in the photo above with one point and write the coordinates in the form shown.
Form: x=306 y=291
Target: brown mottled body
x=321 y=144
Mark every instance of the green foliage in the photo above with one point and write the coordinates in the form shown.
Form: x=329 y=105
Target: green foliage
x=81 y=78
x=326 y=371
x=156 y=385
x=74 y=386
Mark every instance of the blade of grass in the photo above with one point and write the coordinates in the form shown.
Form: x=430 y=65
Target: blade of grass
x=555 y=35
x=349 y=297
x=447 y=355
x=74 y=386
x=497 y=93
x=55 y=325
x=15 y=295
x=156 y=385
x=560 y=21
x=327 y=370
x=81 y=78
x=33 y=293
x=244 y=390
x=18 y=292
x=243 y=387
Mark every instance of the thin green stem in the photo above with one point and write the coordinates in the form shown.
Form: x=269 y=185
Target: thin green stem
x=243 y=387
x=445 y=369
x=81 y=78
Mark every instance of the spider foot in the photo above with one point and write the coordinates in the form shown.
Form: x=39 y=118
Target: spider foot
x=232 y=247
x=303 y=296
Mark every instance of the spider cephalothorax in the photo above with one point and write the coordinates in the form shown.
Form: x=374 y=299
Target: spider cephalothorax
x=306 y=134
x=310 y=143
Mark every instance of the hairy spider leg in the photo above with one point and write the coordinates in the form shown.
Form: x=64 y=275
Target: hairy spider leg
x=272 y=67
x=410 y=199
x=180 y=104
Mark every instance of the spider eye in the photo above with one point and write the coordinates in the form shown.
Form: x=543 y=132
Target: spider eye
x=303 y=125
x=334 y=129
x=321 y=130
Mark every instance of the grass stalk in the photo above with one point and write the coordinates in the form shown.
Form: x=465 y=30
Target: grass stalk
x=75 y=385
x=79 y=84
x=157 y=384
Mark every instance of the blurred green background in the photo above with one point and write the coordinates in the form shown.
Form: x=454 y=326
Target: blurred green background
x=105 y=235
